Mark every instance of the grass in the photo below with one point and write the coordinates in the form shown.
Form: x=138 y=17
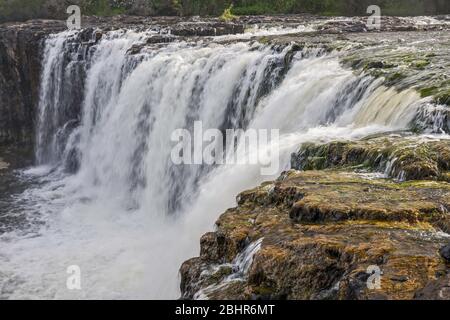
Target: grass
x=227 y=15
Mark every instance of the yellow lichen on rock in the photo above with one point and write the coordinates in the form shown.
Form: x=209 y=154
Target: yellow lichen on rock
x=321 y=231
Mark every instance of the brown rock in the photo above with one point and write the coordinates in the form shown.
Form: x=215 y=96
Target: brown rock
x=324 y=252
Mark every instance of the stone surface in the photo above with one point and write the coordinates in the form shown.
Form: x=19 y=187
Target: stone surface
x=404 y=157
x=445 y=252
x=321 y=230
x=20 y=67
x=3 y=165
x=21 y=49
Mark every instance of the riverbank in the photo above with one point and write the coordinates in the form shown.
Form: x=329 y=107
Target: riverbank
x=16 y=10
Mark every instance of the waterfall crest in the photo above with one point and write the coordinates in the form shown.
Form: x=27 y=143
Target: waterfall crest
x=112 y=202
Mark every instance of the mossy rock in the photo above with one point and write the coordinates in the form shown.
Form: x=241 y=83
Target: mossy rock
x=321 y=230
x=408 y=66
x=443 y=98
x=403 y=158
x=420 y=64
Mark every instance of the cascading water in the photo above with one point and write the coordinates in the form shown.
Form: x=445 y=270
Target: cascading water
x=110 y=200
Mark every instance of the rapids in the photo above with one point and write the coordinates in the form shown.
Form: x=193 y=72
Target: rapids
x=105 y=195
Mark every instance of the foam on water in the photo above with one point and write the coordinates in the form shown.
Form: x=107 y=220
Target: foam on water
x=109 y=198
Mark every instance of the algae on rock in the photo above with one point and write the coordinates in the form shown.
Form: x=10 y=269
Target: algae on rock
x=321 y=230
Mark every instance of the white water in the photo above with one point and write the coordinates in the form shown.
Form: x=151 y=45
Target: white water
x=240 y=267
x=128 y=217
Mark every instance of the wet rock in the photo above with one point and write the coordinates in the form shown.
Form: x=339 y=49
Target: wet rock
x=438 y=289
x=206 y=29
x=399 y=278
x=402 y=157
x=191 y=271
x=21 y=48
x=375 y=64
x=160 y=39
x=72 y=161
x=445 y=252
x=3 y=165
x=326 y=253
x=421 y=67
x=20 y=65
x=21 y=44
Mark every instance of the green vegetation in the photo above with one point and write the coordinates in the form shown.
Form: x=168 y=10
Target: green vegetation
x=102 y=8
x=227 y=15
x=426 y=92
x=444 y=98
x=322 y=7
x=11 y=10
x=420 y=64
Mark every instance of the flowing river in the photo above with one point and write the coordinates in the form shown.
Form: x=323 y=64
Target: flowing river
x=104 y=194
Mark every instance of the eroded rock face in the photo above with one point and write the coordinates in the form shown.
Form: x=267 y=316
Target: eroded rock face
x=445 y=252
x=3 y=165
x=321 y=231
x=21 y=49
x=400 y=157
x=20 y=65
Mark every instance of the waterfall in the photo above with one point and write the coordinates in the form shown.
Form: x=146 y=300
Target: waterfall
x=110 y=200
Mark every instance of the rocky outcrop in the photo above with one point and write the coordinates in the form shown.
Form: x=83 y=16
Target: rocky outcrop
x=418 y=65
x=20 y=66
x=401 y=157
x=445 y=252
x=327 y=235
